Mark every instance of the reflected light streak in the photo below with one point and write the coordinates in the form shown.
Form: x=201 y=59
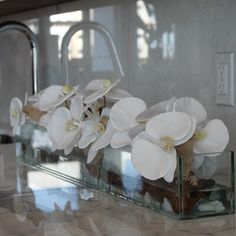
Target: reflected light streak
x=71 y=168
x=147 y=33
x=146 y=13
x=168 y=44
x=147 y=16
x=60 y=23
x=130 y=177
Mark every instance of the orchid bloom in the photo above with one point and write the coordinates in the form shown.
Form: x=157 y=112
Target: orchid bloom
x=104 y=87
x=153 y=151
x=210 y=141
x=122 y=116
x=212 y=138
x=55 y=95
x=64 y=128
x=17 y=117
x=96 y=130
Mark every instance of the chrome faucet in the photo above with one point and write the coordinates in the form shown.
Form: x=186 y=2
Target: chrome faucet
x=89 y=25
x=18 y=26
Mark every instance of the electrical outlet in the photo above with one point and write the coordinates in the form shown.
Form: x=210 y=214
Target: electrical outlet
x=222 y=81
x=224 y=64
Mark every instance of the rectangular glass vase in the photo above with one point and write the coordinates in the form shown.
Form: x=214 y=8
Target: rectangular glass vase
x=207 y=191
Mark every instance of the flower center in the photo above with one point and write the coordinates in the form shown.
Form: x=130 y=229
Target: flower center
x=66 y=89
x=200 y=135
x=14 y=113
x=106 y=83
x=167 y=143
x=100 y=127
x=71 y=126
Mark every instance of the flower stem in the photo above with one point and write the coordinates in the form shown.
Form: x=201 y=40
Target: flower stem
x=185 y=150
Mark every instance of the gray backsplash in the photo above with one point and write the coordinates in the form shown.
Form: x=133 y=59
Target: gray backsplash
x=166 y=48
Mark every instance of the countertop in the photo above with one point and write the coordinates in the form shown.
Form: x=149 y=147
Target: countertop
x=35 y=203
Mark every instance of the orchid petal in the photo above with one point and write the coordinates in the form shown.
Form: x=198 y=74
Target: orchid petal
x=124 y=112
x=144 y=135
x=85 y=140
x=56 y=128
x=208 y=167
x=156 y=109
x=192 y=107
x=96 y=95
x=49 y=96
x=54 y=146
x=87 y=127
x=197 y=161
x=16 y=104
x=74 y=142
x=120 y=139
x=169 y=176
x=189 y=134
x=91 y=154
x=175 y=125
x=99 y=93
x=53 y=97
x=217 y=138
x=105 y=138
x=150 y=160
x=17 y=117
x=84 y=92
x=76 y=107
x=94 y=84
x=69 y=149
x=118 y=94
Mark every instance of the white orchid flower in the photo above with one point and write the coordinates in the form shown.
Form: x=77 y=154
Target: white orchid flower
x=213 y=138
x=209 y=141
x=154 y=110
x=122 y=116
x=97 y=130
x=55 y=95
x=104 y=87
x=17 y=117
x=153 y=152
x=64 y=128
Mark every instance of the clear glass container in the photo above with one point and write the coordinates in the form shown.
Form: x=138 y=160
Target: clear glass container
x=209 y=191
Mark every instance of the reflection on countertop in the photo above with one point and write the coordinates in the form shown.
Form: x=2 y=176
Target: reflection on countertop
x=34 y=203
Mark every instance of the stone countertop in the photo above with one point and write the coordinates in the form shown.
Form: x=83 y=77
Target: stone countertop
x=34 y=203
x=61 y=211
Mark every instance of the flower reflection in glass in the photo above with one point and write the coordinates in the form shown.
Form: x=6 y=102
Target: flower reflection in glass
x=17 y=117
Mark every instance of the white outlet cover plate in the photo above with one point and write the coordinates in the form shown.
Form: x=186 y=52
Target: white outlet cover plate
x=226 y=58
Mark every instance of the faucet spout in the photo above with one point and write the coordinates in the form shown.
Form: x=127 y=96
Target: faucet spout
x=18 y=26
x=89 y=25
